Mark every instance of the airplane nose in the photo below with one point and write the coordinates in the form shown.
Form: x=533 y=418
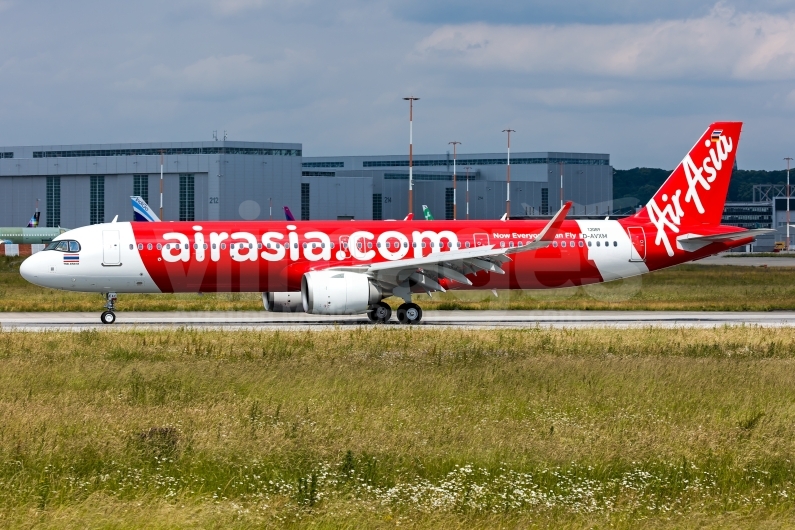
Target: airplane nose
x=29 y=269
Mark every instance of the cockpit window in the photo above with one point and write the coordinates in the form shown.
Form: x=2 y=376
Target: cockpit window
x=64 y=245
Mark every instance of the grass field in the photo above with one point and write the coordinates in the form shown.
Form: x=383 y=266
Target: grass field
x=687 y=287
x=404 y=427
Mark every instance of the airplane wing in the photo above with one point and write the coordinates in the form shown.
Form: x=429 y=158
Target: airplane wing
x=452 y=265
x=693 y=242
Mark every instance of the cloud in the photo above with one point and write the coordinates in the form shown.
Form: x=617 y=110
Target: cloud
x=722 y=45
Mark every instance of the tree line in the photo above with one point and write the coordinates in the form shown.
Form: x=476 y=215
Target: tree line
x=642 y=182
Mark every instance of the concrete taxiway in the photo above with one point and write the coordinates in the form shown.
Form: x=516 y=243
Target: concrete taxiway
x=747 y=261
x=473 y=319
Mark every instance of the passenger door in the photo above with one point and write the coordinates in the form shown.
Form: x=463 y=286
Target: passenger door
x=111 y=253
x=638 y=247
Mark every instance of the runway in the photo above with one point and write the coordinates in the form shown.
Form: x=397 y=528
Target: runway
x=458 y=319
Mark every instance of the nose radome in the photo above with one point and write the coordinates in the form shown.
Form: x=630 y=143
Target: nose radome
x=30 y=268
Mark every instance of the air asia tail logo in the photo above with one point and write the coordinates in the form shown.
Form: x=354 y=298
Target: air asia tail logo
x=670 y=216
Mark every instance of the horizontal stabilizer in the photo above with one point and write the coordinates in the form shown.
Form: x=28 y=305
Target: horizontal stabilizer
x=693 y=242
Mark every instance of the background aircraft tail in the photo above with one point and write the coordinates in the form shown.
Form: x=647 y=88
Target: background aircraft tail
x=288 y=214
x=426 y=212
x=142 y=211
x=34 y=221
x=695 y=193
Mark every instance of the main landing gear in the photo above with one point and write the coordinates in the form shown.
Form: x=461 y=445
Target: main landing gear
x=108 y=316
x=380 y=312
x=409 y=314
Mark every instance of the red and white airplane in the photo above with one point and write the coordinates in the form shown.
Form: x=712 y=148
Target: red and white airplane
x=343 y=267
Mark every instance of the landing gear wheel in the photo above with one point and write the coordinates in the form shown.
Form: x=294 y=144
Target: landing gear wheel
x=108 y=317
x=381 y=312
x=409 y=314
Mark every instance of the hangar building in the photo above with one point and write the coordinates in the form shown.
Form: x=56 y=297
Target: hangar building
x=76 y=185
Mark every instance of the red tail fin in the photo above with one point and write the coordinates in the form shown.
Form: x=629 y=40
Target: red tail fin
x=694 y=194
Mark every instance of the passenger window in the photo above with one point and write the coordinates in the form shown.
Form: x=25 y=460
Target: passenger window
x=259 y=245
x=555 y=244
x=589 y=243
x=214 y=246
x=195 y=246
x=502 y=244
x=304 y=245
x=615 y=243
x=131 y=246
x=149 y=246
x=369 y=245
x=223 y=246
x=378 y=245
x=322 y=245
x=597 y=243
x=331 y=245
x=510 y=244
x=295 y=245
x=405 y=244
x=186 y=246
x=467 y=244
x=563 y=244
x=251 y=246
x=159 y=246
x=74 y=246
x=140 y=246
x=580 y=244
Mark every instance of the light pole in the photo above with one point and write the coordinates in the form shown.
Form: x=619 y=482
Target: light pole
x=561 y=183
x=411 y=100
x=508 y=177
x=788 y=159
x=454 y=180
x=467 y=193
x=161 y=184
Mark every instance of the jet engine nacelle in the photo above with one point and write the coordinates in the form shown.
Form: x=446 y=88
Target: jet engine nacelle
x=283 y=302
x=338 y=293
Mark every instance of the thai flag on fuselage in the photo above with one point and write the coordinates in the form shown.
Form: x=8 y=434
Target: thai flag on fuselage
x=71 y=259
x=142 y=211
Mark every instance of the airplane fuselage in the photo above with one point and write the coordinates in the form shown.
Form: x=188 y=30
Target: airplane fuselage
x=180 y=257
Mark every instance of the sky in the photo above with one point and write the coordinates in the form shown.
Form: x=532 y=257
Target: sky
x=636 y=79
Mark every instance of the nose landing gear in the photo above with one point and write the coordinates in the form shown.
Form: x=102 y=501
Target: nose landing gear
x=108 y=316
